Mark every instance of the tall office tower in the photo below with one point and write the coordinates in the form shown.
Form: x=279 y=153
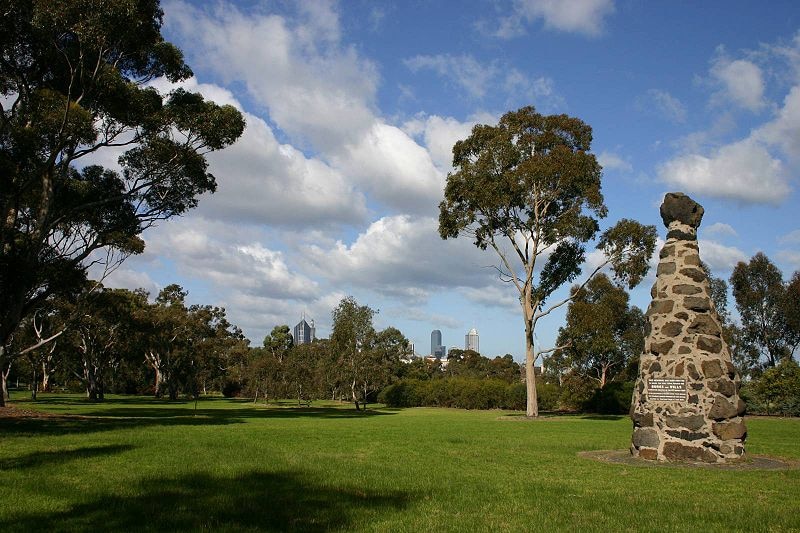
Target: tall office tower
x=436 y=340
x=304 y=332
x=471 y=341
x=437 y=350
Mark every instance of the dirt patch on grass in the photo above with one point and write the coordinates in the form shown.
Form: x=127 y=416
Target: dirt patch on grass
x=11 y=411
x=750 y=462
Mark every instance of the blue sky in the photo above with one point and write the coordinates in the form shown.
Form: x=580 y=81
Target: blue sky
x=353 y=107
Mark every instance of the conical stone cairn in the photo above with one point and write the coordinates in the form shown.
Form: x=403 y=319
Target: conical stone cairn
x=686 y=404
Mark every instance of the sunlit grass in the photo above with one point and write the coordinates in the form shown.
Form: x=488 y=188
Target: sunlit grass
x=140 y=464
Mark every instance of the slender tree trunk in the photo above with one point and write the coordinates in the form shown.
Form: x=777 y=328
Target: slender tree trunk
x=34 y=384
x=45 y=377
x=5 y=370
x=603 y=372
x=4 y=373
x=91 y=382
x=353 y=393
x=158 y=383
x=532 y=404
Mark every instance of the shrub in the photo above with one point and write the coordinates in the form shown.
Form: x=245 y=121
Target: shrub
x=548 y=395
x=458 y=392
x=231 y=389
x=516 y=396
x=576 y=391
x=614 y=398
x=776 y=391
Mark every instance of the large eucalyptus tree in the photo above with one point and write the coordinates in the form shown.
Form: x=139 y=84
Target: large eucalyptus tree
x=74 y=91
x=529 y=188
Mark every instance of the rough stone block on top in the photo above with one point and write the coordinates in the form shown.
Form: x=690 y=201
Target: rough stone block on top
x=679 y=207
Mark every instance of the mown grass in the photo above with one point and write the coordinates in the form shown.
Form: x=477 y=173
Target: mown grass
x=144 y=465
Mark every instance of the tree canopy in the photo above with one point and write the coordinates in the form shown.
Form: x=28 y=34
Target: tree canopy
x=74 y=84
x=530 y=189
x=603 y=333
x=768 y=307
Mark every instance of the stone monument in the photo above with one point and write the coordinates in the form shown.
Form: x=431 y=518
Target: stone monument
x=686 y=404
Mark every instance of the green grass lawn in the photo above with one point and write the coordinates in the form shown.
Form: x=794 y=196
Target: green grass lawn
x=139 y=464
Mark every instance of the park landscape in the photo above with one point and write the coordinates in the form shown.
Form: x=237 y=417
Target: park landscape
x=132 y=404
x=139 y=463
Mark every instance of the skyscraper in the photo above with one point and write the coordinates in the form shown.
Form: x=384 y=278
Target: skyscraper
x=471 y=341
x=304 y=332
x=437 y=350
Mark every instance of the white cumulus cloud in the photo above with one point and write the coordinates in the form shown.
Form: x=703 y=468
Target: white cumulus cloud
x=404 y=257
x=744 y=171
x=612 y=161
x=586 y=17
x=720 y=229
x=663 y=104
x=742 y=82
x=718 y=256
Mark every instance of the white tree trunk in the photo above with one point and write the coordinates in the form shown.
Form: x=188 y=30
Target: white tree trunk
x=532 y=401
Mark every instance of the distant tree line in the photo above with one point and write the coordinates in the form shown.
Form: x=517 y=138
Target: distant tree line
x=116 y=340
x=103 y=340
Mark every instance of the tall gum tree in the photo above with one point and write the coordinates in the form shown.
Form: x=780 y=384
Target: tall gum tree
x=768 y=307
x=529 y=188
x=74 y=80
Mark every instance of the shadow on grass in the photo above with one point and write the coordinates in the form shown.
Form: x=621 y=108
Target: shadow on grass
x=253 y=501
x=36 y=459
x=63 y=425
x=610 y=418
x=233 y=413
x=137 y=412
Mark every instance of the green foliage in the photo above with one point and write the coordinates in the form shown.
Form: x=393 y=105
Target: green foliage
x=231 y=389
x=576 y=391
x=776 y=391
x=470 y=364
x=420 y=368
x=613 y=399
x=603 y=333
x=73 y=85
x=456 y=392
x=366 y=360
x=532 y=184
x=549 y=395
x=767 y=310
x=500 y=171
x=279 y=341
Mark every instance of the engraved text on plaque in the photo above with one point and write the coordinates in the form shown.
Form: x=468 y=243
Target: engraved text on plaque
x=666 y=390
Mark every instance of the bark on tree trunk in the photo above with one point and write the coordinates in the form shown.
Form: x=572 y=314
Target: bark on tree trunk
x=4 y=395
x=353 y=393
x=45 y=378
x=34 y=384
x=532 y=404
x=159 y=380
